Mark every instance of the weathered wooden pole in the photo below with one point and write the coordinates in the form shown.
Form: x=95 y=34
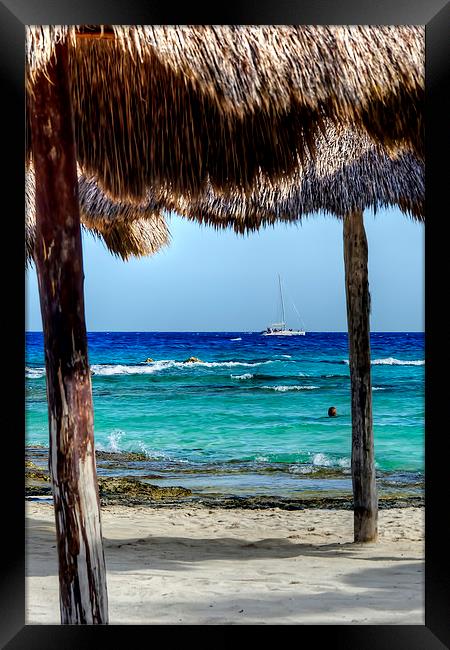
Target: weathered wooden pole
x=358 y=318
x=59 y=266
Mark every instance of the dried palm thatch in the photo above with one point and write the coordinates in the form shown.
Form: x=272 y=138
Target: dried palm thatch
x=127 y=230
x=156 y=105
x=138 y=238
x=349 y=173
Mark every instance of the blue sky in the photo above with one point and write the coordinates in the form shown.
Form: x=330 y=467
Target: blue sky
x=211 y=281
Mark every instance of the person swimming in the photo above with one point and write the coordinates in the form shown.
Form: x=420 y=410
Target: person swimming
x=332 y=412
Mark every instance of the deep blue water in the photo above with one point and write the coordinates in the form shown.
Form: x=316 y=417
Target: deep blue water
x=252 y=416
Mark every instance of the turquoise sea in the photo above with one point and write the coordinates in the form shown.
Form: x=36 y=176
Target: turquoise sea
x=251 y=417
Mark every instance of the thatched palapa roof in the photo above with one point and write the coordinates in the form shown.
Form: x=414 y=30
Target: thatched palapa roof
x=349 y=173
x=186 y=106
x=126 y=229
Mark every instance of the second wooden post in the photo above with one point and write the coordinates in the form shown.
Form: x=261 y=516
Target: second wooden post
x=358 y=318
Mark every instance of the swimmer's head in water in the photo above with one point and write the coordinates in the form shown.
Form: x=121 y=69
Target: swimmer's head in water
x=332 y=411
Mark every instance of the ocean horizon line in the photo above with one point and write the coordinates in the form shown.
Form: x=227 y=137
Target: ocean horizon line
x=227 y=331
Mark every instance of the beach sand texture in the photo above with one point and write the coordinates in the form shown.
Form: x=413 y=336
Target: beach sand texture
x=194 y=565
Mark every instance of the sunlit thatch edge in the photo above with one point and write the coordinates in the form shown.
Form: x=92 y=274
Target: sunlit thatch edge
x=127 y=230
x=133 y=239
x=349 y=173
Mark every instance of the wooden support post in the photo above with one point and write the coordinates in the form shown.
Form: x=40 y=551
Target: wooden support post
x=358 y=318
x=59 y=266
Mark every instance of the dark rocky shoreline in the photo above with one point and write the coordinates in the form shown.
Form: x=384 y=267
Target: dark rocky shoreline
x=135 y=490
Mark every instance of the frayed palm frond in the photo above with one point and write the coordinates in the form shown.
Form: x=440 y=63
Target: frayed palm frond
x=126 y=229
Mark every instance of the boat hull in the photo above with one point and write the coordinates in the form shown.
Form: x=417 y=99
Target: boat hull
x=284 y=333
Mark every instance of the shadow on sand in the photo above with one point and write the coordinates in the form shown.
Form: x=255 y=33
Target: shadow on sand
x=337 y=595
x=177 y=553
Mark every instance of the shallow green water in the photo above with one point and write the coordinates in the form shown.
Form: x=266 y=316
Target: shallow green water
x=251 y=417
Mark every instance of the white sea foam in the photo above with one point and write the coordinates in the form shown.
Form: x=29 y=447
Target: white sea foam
x=319 y=460
x=165 y=364
x=283 y=389
x=118 y=369
x=238 y=339
x=34 y=373
x=114 y=440
x=377 y=388
x=219 y=364
x=150 y=453
x=390 y=361
x=246 y=375
x=322 y=460
x=113 y=444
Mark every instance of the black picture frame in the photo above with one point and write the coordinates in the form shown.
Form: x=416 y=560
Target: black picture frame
x=435 y=14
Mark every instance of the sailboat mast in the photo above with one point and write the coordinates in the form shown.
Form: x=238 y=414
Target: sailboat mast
x=283 y=318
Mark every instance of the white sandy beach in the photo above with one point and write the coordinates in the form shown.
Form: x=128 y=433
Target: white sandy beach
x=193 y=565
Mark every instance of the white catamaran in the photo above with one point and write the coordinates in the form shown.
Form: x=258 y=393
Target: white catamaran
x=280 y=329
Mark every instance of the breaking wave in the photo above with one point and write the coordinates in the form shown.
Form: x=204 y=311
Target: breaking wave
x=323 y=460
x=390 y=361
x=34 y=373
x=283 y=389
x=165 y=364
